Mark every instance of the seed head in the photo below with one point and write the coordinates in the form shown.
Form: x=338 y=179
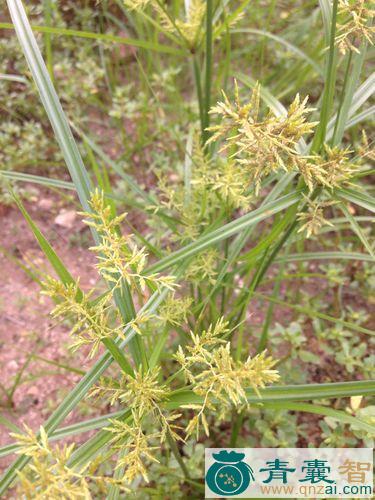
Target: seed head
x=354 y=24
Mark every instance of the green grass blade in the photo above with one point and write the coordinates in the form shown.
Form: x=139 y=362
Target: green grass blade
x=360 y=117
x=356 y=197
x=37 y=179
x=282 y=41
x=351 y=81
x=361 y=95
x=315 y=314
x=102 y=37
x=358 y=230
x=208 y=68
x=61 y=271
x=326 y=10
x=303 y=392
x=306 y=256
x=329 y=84
x=9 y=425
x=338 y=415
x=13 y=78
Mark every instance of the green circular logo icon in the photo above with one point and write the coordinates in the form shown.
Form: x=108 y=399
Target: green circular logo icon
x=229 y=475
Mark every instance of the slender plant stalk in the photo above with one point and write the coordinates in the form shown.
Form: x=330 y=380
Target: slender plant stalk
x=208 y=72
x=329 y=86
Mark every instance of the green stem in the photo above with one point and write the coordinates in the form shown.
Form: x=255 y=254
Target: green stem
x=329 y=87
x=342 y=98
x=198 y=86
x=208 y=79
x=177 y=455
x=264 y=335
x=237 y=424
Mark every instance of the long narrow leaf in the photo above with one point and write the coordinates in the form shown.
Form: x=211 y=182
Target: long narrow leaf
x=103 y=37
x=282 y=41
x=338 y=415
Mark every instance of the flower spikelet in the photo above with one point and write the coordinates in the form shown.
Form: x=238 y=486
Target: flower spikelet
x=224 y=378
x=203 y=267
x=191 y=27
x=214 y=374
x=143 y=395
x=260 y=146
x=354 y=24
x=313 y=218
x=137 y=4
x=331 y=170
x=49 y=476
x=188 y=28
x=175 y=309
x=91 y=317
x=135 y=446
x=119 y=257
x=338 y=169
x=142 y=392
x=231 y=183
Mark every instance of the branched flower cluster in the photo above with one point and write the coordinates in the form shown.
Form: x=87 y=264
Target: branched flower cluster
x=174 y=310
x=213 y=185
x=313 y=219
x=355 y=24
x=258 y=146
x=91 y=317
x=203 y=268
x=331 y=170
x=135 y=448
x=142 y=394
x=119 y=257
x=49 y=475
x=213 y=373
x=189 y=28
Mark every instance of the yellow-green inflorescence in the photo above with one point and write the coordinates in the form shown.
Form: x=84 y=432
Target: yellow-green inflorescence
x=217 y=377
x=354 y=24
x=262 y=145
x=49 y=476
x=190 y=25
x=119 y=258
